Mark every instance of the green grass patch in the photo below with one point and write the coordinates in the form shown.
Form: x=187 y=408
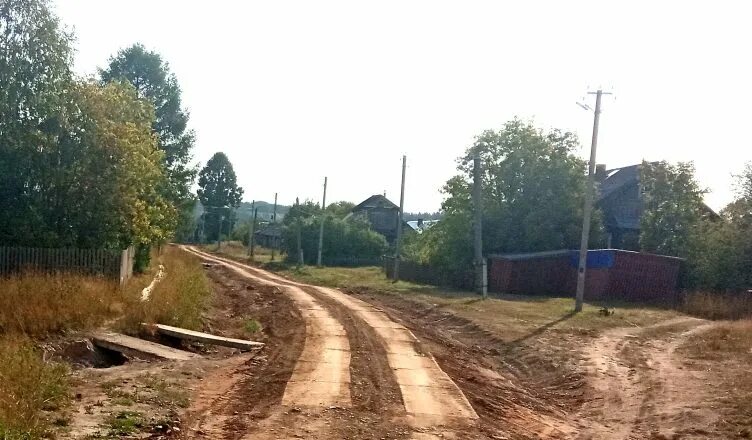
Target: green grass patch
x=251 y=326
x=165 y=393
x=125 y=423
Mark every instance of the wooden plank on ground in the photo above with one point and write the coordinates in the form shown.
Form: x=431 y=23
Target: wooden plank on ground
x=139 y=348
x=206 y=338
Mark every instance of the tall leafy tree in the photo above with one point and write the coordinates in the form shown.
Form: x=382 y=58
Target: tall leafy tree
x=35 y=82
x=113 y=199
x=152 y=79
x=533 y=192
x=672 y=207
x=219 y=193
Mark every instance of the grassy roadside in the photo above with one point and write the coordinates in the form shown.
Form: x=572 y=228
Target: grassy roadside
x=510 y=317
x=38 y=308
x=178 y=299
x=725 y=352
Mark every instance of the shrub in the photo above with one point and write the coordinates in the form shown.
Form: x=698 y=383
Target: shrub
x=345 y=241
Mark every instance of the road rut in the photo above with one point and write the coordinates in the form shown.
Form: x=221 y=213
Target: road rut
x=321 y=376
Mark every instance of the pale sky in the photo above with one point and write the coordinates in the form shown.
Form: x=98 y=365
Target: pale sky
x=293 y=91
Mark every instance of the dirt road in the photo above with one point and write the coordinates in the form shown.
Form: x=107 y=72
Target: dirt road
x=364 y=365
x=645 y=390
x=358 y=374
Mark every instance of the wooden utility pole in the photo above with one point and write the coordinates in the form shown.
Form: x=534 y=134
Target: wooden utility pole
x=250 y=229
x=274 y=220
x=253 y=231
x=321 y=231
x=397 y=249
x=480 y=262
x=589 y=193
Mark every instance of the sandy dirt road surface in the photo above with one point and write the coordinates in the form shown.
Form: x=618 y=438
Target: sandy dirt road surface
x=358 y=374
x=367 y=365
x=645 y=390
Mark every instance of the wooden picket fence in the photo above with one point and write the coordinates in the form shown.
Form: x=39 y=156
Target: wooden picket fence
x=109 y=263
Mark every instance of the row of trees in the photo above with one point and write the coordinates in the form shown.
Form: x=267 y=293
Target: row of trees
x=346 y=242
x=717 y=248
x=533 y=193
x=98 y=162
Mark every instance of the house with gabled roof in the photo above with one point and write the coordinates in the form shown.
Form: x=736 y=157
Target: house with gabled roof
x=382 y=214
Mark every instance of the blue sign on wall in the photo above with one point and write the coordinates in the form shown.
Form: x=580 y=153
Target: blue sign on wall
x=596 y=259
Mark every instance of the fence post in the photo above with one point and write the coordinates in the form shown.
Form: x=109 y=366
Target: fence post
x=123 y=265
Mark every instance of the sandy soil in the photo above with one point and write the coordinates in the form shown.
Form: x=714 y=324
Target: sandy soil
x=644 y=389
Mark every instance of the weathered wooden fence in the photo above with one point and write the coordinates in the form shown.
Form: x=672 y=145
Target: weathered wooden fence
x=110 y=263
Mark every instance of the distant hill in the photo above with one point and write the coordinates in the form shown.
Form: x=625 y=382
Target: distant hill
x=244 y=213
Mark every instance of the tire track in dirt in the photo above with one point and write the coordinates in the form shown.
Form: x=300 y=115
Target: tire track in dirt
x=237 y=392
x=429 y=395
x=321 y=376
x=641 y=388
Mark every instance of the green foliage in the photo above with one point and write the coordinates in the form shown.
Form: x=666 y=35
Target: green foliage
x=672 y=207
x=251 y=326
x=153 y=81
x=346 y=242
x=719 y=256
x=124 y=164
x=35 y=82
x=218 y=193
x=533 y=192
x=340 y=209
x=301 y=211
x=78 y=161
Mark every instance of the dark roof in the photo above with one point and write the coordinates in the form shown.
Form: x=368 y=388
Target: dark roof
x=618 y=178
x=375 y=201
x=271 y=230
x=532 y=255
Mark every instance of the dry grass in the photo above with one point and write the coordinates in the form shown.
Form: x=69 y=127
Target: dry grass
x=28 y=387
x=718 y=305
x=725 y=352
x=723 y=341
x=39 y=305
x=178 y=299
